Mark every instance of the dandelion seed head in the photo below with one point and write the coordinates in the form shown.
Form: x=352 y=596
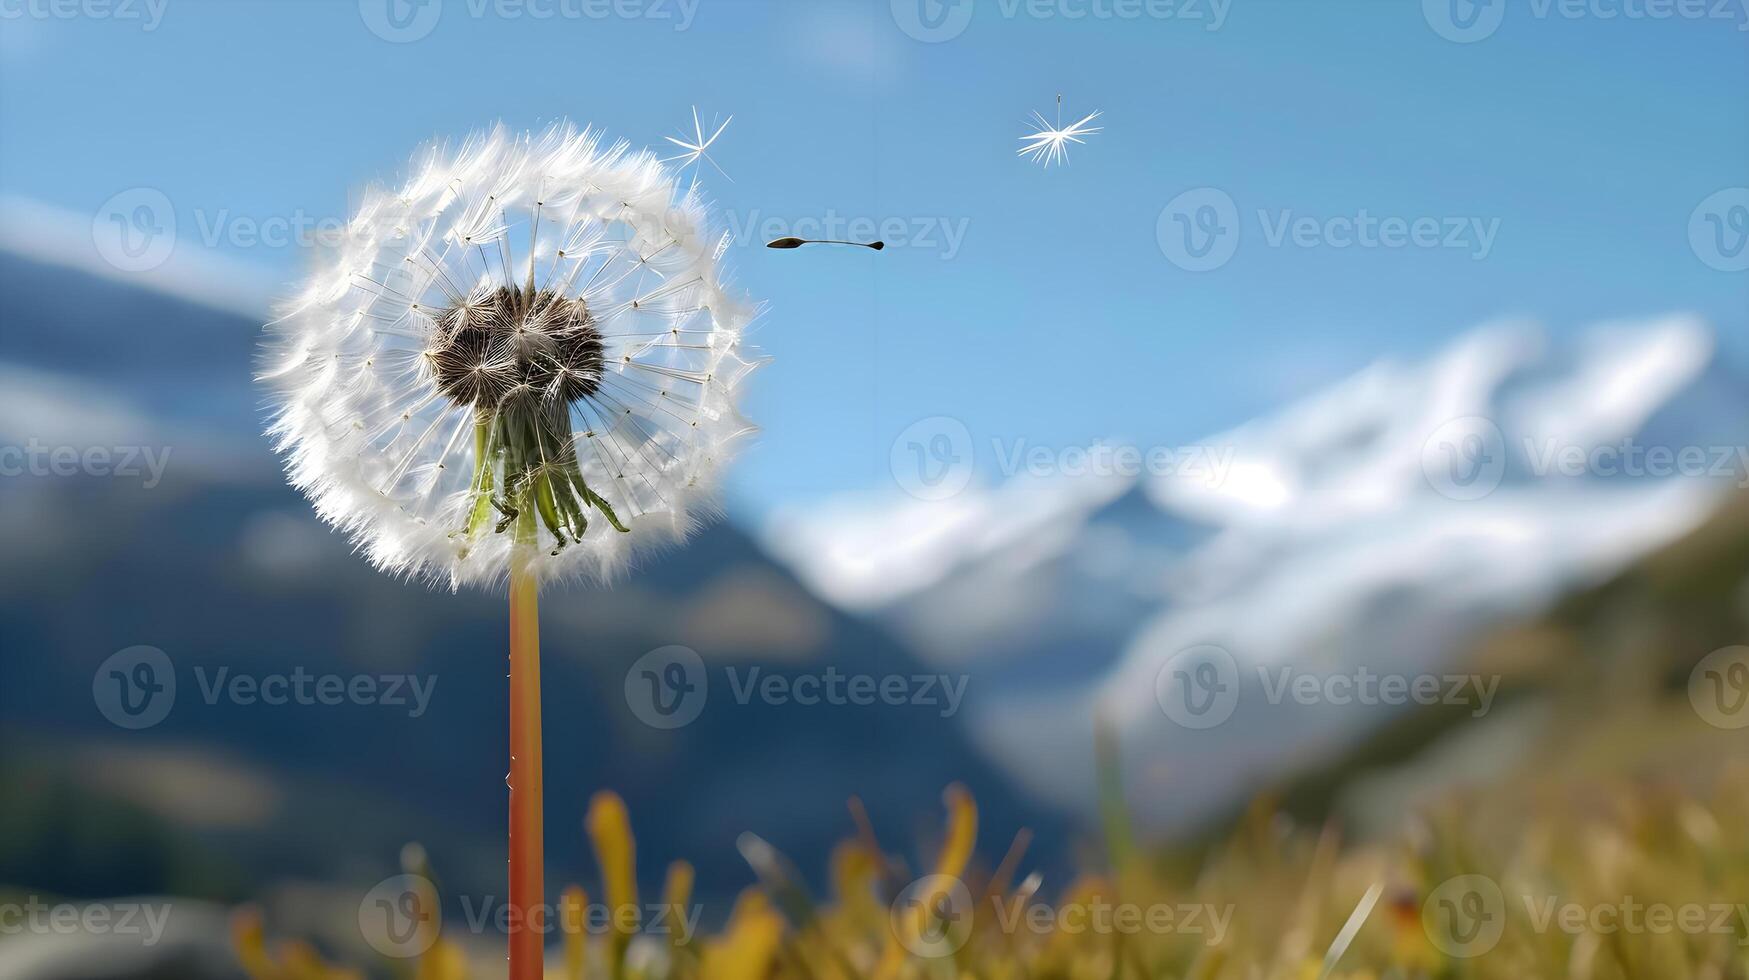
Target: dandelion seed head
x=522 y=349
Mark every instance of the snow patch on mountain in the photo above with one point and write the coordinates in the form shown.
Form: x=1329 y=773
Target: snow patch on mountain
x=1380 y=524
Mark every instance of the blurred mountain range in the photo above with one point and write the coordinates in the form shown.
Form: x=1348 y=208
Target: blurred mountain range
x=1392 y=523
x=1383 y=526
x=218 y=564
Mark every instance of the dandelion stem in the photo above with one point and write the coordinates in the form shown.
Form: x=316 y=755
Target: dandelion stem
x=527 y=850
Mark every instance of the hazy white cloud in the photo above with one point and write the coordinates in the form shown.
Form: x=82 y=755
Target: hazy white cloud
x=60 y=236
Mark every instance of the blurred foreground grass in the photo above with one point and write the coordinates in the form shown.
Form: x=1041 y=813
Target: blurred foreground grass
x=1558 y=873
x=1594 y=827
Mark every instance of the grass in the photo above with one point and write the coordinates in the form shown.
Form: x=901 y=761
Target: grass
x=1609 y=841
x=1626 y=860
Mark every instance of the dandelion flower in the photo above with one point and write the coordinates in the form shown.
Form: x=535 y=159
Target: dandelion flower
x=519 y=366
x=529 y=343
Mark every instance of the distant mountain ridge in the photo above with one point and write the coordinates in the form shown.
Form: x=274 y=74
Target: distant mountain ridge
x=223 y=567
x=1378 y=524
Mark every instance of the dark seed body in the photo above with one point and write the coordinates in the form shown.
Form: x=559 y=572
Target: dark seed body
x=520 y=360
x=506 y=344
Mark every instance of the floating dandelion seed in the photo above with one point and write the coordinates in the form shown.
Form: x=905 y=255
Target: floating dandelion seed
x=799 y=242
x=521 y=365
x=699 y=146
x=529 y=342
x=1050 y=144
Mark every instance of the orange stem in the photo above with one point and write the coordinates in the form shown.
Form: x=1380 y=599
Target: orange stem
x=527 y=849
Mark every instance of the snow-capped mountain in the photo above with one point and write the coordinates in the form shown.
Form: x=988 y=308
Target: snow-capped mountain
x=1379 y=526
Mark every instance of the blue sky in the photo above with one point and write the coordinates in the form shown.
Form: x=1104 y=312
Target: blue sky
x=1028 y=304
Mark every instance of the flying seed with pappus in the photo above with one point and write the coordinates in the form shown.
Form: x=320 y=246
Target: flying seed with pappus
x=799 y=242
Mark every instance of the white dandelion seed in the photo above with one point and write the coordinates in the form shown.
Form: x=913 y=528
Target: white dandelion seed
x=1049 y=143
x=699 y=146
x=527 y=349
